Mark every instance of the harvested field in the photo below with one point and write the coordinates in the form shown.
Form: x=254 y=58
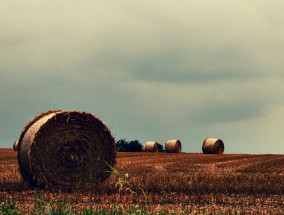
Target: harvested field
x=173 y=183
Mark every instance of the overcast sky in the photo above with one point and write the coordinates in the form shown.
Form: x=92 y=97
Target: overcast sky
x=151 y=70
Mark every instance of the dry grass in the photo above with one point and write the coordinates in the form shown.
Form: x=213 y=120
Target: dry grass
x=177 y=183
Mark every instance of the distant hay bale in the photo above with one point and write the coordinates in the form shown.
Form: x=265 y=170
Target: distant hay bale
x=173 y=146
x=15 y=145
x=213 y=146
x=151 y=147
x=66 y=150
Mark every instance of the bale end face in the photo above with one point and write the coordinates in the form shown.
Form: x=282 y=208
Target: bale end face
x=173 y=146
x=151 y=146
x=213 y=146
x=66 y=150
x=15 y=145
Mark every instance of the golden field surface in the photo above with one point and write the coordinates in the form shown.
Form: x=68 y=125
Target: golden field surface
x=159 y=183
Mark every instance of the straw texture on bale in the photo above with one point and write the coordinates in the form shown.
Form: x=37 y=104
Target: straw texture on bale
x=151 y=147
x=173 y=146
x=15 y=145
x=213 y=146
x=66 y=150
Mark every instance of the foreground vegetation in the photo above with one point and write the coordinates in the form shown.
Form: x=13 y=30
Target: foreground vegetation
x=159 y=183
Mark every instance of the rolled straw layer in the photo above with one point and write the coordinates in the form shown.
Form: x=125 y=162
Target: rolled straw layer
x=15 y=145
x=66 y=150
x=213 y=146
x=173 y=146
x=151 y=147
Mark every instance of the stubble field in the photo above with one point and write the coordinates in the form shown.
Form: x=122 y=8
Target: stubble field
x=159 y=183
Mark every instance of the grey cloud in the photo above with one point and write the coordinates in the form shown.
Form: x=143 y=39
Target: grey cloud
x=175 y=63
x=193 y=68
x=228 y=102
x=230 y=111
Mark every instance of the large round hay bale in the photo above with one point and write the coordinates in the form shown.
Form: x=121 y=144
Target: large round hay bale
x=173 y=146
x=66 y=150
x=213 y=146
x=151 y=147
x=15 y=145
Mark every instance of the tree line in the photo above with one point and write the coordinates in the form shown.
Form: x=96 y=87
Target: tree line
x=123 y=145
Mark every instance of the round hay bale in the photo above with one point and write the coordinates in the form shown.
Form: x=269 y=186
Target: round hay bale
x=66 y=150
x=151 y=147
x=15 y=145
x=213 y=146
x=173 y=146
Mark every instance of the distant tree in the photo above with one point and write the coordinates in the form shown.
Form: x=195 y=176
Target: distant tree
x=134 y=146
x=123 y=145
x=161 y=148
